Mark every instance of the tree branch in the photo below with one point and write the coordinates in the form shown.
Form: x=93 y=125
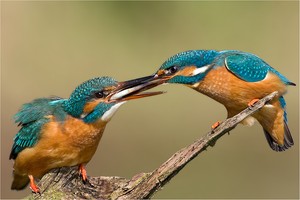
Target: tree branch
x=66 y=183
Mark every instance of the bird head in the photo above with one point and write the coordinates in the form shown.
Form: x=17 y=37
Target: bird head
x=187 y=67
x=99 y=98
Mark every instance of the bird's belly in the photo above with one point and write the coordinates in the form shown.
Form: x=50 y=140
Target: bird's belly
x=60 y=145
x=235 y=93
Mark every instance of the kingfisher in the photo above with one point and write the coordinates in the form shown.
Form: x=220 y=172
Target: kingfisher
x=57 y=132
x=237 y=80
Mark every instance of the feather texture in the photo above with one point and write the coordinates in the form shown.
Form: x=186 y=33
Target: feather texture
x=249 y=67
x=234 y=78
x=32 y=116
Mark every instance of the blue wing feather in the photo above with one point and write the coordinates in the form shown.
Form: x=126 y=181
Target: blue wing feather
x=32 y=117
x=27 y=136
x=247 y=67
x=251 y=68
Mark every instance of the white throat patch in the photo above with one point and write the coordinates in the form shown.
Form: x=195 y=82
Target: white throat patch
x=108 y=114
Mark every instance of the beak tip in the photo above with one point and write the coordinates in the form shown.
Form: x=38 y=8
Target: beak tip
x=132 y=89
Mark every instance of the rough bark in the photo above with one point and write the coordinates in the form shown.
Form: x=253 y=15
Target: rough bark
x=65 y=183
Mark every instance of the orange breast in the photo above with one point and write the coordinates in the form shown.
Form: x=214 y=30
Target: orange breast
x=61 y=144
x=235 y=93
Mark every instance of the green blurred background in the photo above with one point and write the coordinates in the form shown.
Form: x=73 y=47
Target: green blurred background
x=48 y=48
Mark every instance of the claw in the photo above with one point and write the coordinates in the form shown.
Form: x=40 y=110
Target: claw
x=34 y=188
x=82 y=172
x=215 y=125
x=252 y=102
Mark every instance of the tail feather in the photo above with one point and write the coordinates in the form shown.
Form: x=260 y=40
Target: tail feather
x=19 y=182
x=288 y=140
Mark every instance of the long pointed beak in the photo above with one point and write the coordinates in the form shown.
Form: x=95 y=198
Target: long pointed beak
x=132 y=89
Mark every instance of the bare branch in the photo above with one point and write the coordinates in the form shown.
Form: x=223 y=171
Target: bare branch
x=66 y=183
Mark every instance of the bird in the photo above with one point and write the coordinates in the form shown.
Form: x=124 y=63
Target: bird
x=237 y=80
x=57 y=132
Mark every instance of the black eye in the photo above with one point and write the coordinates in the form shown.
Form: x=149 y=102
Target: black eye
x=171 y=70
x=99 y=94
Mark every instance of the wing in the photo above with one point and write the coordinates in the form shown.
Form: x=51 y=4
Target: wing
x=27 y=136
x=248 y=67
x=251 y=68
x=32 y=116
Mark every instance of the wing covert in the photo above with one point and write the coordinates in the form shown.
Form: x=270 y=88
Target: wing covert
x=27 y=136
x=247 y=67
x=32 y=116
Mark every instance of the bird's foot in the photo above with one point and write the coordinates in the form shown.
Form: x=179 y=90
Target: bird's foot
x=215 y=125
x=34 y=188
x=82 y=172
x=252 y=102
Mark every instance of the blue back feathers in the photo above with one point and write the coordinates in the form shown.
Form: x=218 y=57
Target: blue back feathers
x=32 y=116
x=249 y=67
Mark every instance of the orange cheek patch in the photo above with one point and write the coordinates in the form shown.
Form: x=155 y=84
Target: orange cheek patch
x=90 y=106
x=160 y=72
x=187 y=71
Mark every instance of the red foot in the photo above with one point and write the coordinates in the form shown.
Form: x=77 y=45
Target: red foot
x=33 y=186
x=82 y=172
x=252 y=102
x=215 y=125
